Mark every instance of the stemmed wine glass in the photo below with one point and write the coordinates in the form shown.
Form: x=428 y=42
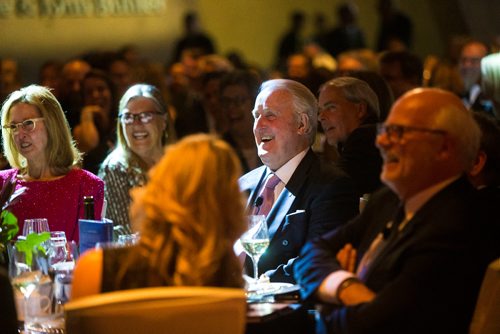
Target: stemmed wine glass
x=255 y=240
x=36 y=225
x=25 y=272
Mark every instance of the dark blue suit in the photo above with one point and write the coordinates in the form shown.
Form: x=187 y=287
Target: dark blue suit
x=317 y=199
x=426 y=279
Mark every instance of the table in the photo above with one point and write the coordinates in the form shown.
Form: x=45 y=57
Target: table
x=279 y=317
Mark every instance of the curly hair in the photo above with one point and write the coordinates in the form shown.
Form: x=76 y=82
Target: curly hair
x=190 y=215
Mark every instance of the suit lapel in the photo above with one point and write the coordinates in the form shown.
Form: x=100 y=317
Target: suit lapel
x=253 y=183
x=277 y=215
x=292 y=190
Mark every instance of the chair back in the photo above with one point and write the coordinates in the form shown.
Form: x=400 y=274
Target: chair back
x=486 y=319
x=172 y=310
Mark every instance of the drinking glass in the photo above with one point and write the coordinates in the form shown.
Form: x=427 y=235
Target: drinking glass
x=255 y=240
x=36 y=225
x=58 y=251
x=25 y=274
x=128 y=239
x=62 y=263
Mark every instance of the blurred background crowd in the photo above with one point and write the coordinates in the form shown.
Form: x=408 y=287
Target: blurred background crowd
x=207 y=90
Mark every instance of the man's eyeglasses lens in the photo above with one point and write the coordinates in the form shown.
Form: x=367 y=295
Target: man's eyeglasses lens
x=395 y=132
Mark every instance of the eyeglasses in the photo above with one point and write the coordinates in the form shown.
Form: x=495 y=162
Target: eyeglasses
x=395 y=132
x=27 y=125
x=144 y=117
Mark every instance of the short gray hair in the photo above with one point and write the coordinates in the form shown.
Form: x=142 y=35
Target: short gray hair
x=356 y=91
x=460 y=124
x=304 y=101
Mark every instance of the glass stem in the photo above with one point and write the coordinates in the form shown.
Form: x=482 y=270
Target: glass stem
x=255 y=261
x=26 y=298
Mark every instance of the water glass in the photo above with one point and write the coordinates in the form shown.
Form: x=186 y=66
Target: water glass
x=59 y=248
x=35 y=225
x=128 y=239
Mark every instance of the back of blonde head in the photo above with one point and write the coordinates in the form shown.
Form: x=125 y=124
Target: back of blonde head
x=191 y=213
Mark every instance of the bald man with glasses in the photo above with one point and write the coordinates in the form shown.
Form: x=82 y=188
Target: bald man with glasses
x=411 y=262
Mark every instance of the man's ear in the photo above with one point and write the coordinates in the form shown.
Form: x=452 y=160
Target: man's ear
x=362 y=111
x=479 y=163
x=304 y=127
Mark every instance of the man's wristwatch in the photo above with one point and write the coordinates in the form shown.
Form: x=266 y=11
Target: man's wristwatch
x=344 y=285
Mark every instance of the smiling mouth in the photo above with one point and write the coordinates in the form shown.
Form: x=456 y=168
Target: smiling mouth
x=266 y=139
x=140 y=135
x=25 y=145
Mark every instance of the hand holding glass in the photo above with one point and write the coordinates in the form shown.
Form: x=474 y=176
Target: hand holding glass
x=255 y=240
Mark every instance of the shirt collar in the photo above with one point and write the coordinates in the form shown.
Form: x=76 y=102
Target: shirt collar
x=286 y=171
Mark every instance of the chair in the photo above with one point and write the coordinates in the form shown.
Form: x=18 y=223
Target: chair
x=486 y=319
x=172 y=310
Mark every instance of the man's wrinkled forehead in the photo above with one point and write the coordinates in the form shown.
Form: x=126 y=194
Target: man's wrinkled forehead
x=271 y=96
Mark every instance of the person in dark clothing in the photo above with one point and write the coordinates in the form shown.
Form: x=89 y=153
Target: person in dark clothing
x=347 y=35
x=291 y=42
x=348 y=113
x=8 y=315
x=395 y=28
x=412 y=261
x=193 y=38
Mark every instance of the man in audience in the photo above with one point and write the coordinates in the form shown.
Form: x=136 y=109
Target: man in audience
x=402 y=70
x=411 y=262
x=469 y=66
x=71 y=99
x=485 y=176
x=306 y=198
x=348 y=112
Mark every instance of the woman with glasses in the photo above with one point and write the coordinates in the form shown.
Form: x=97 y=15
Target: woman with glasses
x=38 y=145
x=141 y=134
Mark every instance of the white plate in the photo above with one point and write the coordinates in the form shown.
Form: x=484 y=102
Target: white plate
x=266 y=288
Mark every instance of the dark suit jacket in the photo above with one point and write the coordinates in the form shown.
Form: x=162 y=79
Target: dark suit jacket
x=8 y=317
x=426 y=281
x=361 y=160
x=317 y=199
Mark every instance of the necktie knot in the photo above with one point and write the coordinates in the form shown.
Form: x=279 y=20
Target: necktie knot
x=272 y=181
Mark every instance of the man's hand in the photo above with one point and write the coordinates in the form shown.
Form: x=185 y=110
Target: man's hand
x=347 y=258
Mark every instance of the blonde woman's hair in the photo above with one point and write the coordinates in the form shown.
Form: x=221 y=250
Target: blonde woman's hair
x=190 y=215
x=61 y=152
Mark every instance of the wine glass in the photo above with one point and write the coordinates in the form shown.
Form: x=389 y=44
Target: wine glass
x=36 y=225
x=255 y=240
x=25 y=272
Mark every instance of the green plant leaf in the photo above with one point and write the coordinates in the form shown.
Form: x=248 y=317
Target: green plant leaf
x=33 y=242
x=9 y=225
